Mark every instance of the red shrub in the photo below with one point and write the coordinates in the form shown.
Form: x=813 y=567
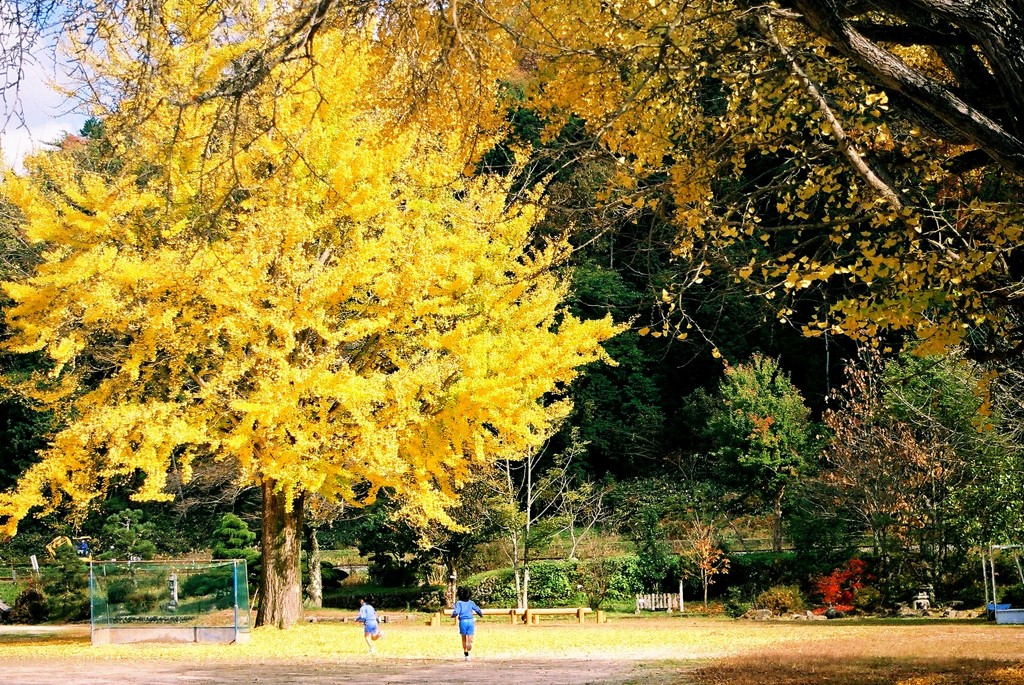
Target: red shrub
x=837 y=588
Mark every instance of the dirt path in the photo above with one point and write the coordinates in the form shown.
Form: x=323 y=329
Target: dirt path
x=378 y=672
x=25 y=670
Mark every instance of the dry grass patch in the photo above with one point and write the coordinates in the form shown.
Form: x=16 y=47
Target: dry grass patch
x=889 y=654
x=862 y=671
x=665 y=651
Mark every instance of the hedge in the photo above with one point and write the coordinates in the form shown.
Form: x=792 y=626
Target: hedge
x=755 y=572
x=427 y=597
x=559 y=583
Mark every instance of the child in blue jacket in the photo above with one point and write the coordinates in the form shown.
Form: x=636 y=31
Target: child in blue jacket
x=464 y=610
x=371 y=629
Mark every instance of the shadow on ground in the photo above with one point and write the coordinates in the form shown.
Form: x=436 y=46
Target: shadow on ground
x=806 y=670
x=312 y=672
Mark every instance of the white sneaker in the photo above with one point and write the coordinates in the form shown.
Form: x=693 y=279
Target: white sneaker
x=373 y=652
x=467 y=657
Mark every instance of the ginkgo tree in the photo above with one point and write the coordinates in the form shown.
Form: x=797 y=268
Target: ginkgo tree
x=298 y=286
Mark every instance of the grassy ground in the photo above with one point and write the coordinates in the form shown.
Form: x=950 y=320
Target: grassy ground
x=661 y=651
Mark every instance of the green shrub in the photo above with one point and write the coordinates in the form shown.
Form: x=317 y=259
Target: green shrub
x=964 y=586
x=758 y=571
x=734 y=604
x=867 y=600
x=427 y=597
x=1013 y=595
x=610 y=579
x=66 y=585
x=493 y=588
x=780 y=600
x=118 y=591
x=555 y=583
x=969 y=594
x=563 y=583
x=607 y=580
x=30 y=606
x=217 y=584
x=331 y=577
x=655 y=560
x=627 y=578
x=141 y=601
x=217 y=580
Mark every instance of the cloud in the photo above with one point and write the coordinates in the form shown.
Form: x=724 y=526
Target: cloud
x=47 y=115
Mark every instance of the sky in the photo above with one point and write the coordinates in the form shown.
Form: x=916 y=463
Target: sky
x=47 y=116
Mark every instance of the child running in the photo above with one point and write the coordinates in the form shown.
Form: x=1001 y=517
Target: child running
x=464 y=610
x=368 y=617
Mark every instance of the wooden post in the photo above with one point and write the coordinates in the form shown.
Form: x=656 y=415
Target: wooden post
x=511 y=617
x=579 y=615
x=601 y=617
x=435 y=619
x=984 y=581
x=991 y=578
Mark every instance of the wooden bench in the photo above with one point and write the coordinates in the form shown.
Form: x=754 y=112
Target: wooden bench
x=530 y=616
x=437 y=618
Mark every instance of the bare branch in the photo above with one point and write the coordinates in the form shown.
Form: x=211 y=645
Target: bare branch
x=1001 y=144
x=847 y=147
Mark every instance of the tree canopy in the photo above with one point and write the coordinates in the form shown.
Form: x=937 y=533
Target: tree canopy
x=329 y=304
x=857 y=150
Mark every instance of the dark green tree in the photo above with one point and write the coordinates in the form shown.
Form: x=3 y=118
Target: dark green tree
x=232 y=539
x=127 y=535
x=762 y=434
x=618 y=409
x=66 y=585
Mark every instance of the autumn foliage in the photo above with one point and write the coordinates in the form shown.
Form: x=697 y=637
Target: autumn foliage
x=309 y=292
x=838 y=588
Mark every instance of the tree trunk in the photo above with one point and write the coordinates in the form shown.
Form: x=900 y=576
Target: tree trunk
x=451 y=588
x=526 y=587
x=525 y=602
x=281 y=544
x=514 y=543
x=892 y=73
x=315 y=588
x=519 y=586
x=777 y=523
